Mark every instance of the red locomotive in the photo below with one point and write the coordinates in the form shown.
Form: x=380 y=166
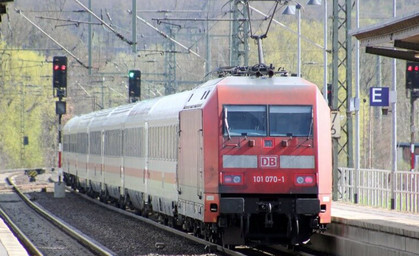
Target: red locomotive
x=238 y=160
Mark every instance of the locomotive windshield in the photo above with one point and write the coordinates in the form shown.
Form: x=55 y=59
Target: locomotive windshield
x=250 y=120
x=290 y=121
x=245 y=121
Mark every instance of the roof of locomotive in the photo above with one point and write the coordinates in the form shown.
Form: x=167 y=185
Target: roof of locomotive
x=258 y=82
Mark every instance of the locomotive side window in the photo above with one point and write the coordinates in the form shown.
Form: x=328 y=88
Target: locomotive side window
x=245 y=121
x=290 y=121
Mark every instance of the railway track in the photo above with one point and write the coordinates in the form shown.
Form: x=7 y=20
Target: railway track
x=39 y=231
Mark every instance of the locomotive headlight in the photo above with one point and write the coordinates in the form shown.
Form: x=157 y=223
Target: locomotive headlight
x=300 y=180
x=237 y=179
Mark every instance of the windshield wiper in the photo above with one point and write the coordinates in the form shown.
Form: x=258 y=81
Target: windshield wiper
x=226 y=123
x=311 y=128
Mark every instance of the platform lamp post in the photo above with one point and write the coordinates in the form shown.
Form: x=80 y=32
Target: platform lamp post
x=292 y=10
x=318 y=2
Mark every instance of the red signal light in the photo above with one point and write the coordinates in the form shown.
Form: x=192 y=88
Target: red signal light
x=59 y=74
x=412 y=75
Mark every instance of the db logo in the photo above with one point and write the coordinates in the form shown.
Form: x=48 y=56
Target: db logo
x=268 y=161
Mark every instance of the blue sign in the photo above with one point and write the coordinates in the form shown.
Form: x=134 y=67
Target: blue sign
x=379 y=96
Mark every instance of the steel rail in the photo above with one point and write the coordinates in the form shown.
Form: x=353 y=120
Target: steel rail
x=27 y=244
x=161 y=226
x=71 y=231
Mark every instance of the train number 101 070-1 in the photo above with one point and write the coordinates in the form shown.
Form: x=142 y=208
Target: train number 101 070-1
x=268 y=179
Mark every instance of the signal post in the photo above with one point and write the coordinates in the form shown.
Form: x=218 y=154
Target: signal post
x=59 y=85
x=412 y=84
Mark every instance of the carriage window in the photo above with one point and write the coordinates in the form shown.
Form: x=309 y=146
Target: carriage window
x=245 y=121
x=290 y=121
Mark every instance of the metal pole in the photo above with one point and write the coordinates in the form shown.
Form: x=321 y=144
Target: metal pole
x=103 y=93
x=22 y=123
x=207 y=42
x=134 y=25
x=412 y=130
x=89 y=40
x=60 y=148
x=394 y=125
x=335 y=81
x=325 y=50
x=357 y=127
x=350 y=157
x=298 y=7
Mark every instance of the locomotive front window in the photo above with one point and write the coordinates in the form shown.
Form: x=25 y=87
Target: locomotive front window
x=245 y=120
x=290 y=121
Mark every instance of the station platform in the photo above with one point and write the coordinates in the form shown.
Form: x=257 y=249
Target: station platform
x=376 y=218
x=9 y=244
x=363 y=230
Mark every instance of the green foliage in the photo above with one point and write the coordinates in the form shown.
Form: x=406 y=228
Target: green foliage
x=25 y=103
x=280 y=49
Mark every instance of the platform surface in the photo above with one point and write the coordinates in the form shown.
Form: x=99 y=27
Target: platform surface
x=389 y=221
x=9 y=244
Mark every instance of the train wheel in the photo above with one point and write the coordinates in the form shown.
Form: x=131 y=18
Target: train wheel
x=171 y=222
x=73 y=182
x=103 y=197
x=215 y=235
x=122 y=203
x=301 y=230
x=196 y=230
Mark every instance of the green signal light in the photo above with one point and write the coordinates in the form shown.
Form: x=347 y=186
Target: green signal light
x=131 y=74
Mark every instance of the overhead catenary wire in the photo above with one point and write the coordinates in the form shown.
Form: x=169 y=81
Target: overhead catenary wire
x=69 y=20
x=50 y=37
x=105 y=24
x=168 y=37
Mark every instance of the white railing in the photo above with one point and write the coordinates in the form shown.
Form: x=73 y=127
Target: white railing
x=375 y=188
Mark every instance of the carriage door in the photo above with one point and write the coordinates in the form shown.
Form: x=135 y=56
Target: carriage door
x=190 y=173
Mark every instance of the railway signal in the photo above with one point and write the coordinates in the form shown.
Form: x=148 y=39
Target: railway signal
x=59 y=72
x=329 y=95
x=59 y=85
x=134 y=84
x=412 y=75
